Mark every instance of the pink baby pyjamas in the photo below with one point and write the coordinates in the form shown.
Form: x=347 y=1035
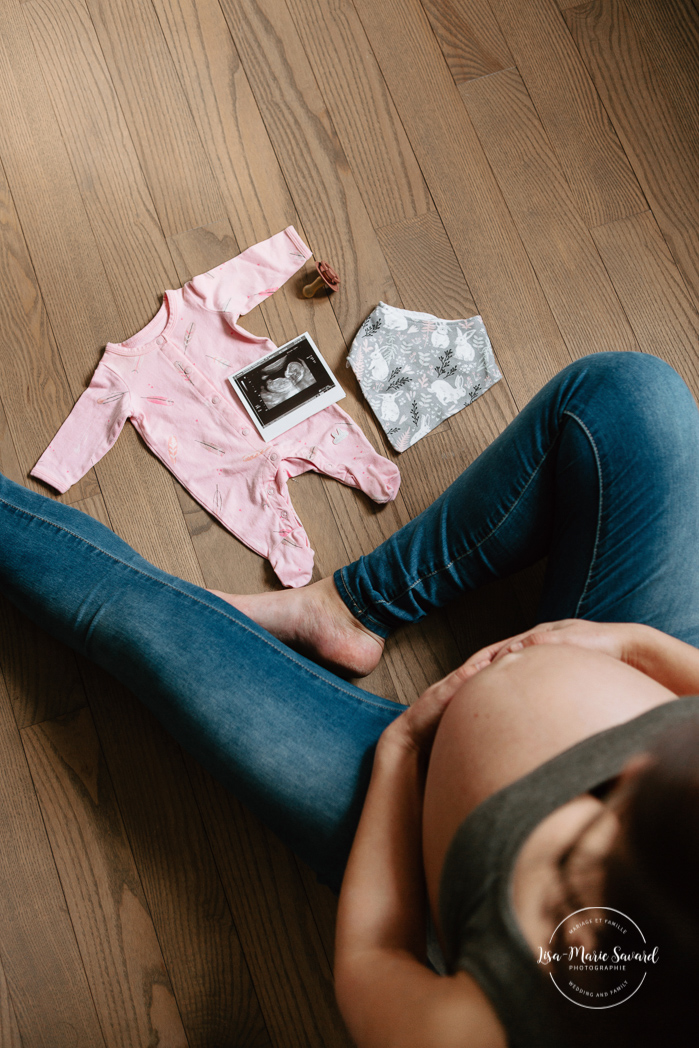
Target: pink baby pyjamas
x=170 y=380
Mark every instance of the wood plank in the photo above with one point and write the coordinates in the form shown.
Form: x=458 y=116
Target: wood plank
x=424 y=267
x=164 y=133
x=599 y=174
x=9 y=1031
x=9 y=463
x=420 y=654
x=44 y=190
x=80 y=306
x=96 y=508
x=330 y=207
x=469 y=36
x=653 y=293
x=469 y=202
x=240 y=152
x=281 y=941
x=117 y=940
x=361 y=109
x=644 y=63
x=36 y=396
x=112 y=186
x=40 y=957
x=41 y=675
x=195 y=927
x=323 y=904
x=561 y=249
x=229 y=124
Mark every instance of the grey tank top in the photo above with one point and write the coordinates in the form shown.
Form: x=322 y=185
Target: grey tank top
x=481 y=932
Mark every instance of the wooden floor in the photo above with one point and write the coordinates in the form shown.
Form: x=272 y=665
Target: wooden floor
x=531 y=160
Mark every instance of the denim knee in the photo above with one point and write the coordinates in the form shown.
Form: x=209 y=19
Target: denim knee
x=630 y=372
x=638 y=391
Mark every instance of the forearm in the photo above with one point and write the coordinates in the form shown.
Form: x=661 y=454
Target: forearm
x=386 y=994
x=380 y=932
x=382 y=901
x=669 y=661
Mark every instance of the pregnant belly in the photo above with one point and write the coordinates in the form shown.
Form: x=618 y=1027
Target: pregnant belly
x=513 y=716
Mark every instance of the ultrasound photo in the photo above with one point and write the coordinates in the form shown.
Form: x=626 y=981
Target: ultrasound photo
x=286 y=386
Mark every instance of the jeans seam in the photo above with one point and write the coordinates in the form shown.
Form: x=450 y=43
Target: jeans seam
x=598 y=530
x=219 y=611
x=350 y=597
x=473 y=549
x=359 y=612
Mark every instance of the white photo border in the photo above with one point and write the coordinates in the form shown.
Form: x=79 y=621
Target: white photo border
x=272 y=415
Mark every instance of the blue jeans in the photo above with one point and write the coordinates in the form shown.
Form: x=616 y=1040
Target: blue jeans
x=600 y=472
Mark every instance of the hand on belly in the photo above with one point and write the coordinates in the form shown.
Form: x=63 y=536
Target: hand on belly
x=514 y=715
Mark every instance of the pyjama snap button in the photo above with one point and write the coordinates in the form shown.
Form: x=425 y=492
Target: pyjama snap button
x=188 y=371
x=215 y=400
x=160 y=339
x=245 y=431
x=274 y=457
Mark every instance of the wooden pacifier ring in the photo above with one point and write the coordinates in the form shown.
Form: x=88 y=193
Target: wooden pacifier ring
x=327 y=277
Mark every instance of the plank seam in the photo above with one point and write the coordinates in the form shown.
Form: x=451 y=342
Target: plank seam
x=46 y=312
x=60 y=883
x=608 y=115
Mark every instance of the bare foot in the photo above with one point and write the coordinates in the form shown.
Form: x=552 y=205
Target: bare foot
x=315 y=621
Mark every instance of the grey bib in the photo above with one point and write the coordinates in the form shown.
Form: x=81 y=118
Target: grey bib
x=416 y=370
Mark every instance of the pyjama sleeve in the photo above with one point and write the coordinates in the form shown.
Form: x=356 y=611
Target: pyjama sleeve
x=237 y=286
x=89 y=431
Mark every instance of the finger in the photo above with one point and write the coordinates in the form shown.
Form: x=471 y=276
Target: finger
x=485 y=655
x=422 y=718
x=443 y=690
x=490 y=653
x=564 y=631
x=545 y=633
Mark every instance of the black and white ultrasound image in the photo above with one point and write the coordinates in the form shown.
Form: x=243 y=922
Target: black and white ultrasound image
x=285 y=381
